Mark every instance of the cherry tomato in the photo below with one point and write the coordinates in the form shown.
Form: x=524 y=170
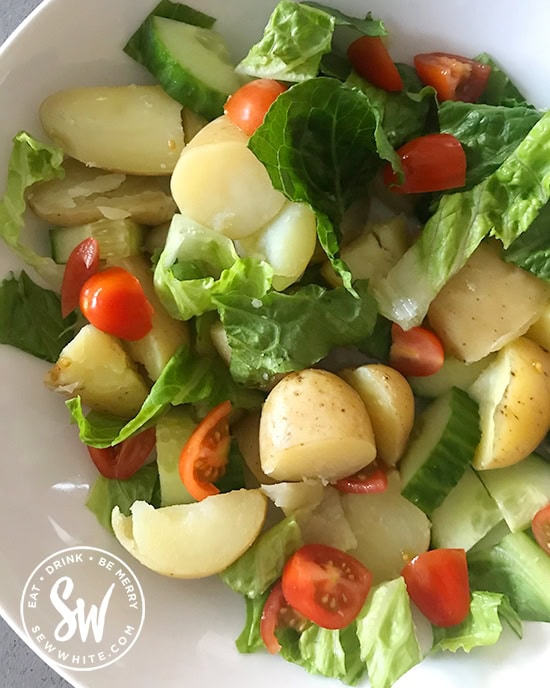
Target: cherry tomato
x=113 y=301
x=368 y=480
x=370 y=58
x=278 y=613
x=435 y=162
x=247 y=107
x=417 y=352
x=203 y=459
x=454 y=77
x=437 y=582
x=82 y=264
x=541 y=527
x=326 y=585
x=123 y=460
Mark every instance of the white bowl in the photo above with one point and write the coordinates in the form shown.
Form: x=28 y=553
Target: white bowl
x=190 y=627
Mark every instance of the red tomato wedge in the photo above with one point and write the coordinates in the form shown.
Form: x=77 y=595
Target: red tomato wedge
x=435 y=162
x=82 y=264
x=417 y=352
x=326 y=585
x=203 y=459
x=113 y=300
x=437 y=582
x=541 y=527
x=278 y=613
x=454 y=77
x=123 y=460
x=248 y=106
x=370 y=58
x=368 y=480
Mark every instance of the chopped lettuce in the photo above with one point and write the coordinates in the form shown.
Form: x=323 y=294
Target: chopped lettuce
x=30 y=318
x=285 y=332
x=503 y=205
x=197 y=265
x=500 y=89
x=386 y=634
x=481 y=627
x=186 y=379
x=30 y=162
x=262 y=564
x=531 y=250
x=250 y=639
x=106 y=494
x=367 y=26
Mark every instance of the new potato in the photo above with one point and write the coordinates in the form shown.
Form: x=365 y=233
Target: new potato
x=314 y=425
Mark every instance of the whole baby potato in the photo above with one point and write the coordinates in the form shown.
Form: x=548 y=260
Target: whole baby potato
x=314 y=425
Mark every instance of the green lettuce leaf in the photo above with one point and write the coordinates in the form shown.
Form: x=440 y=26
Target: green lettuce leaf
x=367 y=26
x=250 y=639
x=186 y=379
x=500 y=89
x=285 y=332
x=30 y=162
x=30 y=318
x=481 y=627
x=387 y=635
x=488 y=133
x=504 y=205
x=197 y=265
x=531 y=251
x=106 y=494
x=262 y=564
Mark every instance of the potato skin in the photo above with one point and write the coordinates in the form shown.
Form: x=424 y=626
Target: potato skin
x=314 y=425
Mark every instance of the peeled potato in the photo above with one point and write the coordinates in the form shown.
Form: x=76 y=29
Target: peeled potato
x=219 y=183
x=192 y=540
x=314 y=425
x=390 y=404
x=133 y=129
x=513 y=394
x=389 y=529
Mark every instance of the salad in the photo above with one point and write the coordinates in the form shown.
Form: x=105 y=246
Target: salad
x=300 y=308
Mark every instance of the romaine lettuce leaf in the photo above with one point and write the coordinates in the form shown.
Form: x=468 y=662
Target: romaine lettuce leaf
x=250 y=639
x=30 y=318
x=198 y=264
x=481 y=627
x=285 y=332
x=531 y=251
x=500 y=89
x=262 y=564
x=504 y=205
x=386 y=634
x=367 y=26
x=186 y=379
x=106 y=494
x=30 y=162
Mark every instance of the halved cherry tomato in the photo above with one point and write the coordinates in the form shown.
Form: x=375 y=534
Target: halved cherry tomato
x=82 y=264
x=437 y=582
x=454 y=77
x=278 y=613
x=326 y=585
x=247 y=107
x=113 y=300
x=541 y=527
x=203 y=459
x=368 y=480
x=417 y=352
x=370 y=58
x=435 y=162
x=123 y=460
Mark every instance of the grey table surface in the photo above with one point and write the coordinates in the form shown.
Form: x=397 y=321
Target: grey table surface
x=19 y=666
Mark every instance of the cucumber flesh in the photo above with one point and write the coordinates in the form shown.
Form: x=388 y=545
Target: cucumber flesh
x=443 y=445
x=453 y=373
x=191 y=63
x=466 y=514
x=173 y=430
x=116 y=239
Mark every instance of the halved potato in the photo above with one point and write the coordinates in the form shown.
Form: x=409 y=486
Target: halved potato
x=247 y=434
x=513 y=394
x=292 y=497
x=390 y=404
x=192 y=540
x=314 y=425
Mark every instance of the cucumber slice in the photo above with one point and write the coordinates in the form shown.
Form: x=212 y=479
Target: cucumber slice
x=444 y=441
x=173 y=430
x=116 y=238
x=466 y=514
x=191 y=63
x=453 y=373
x=519 y=490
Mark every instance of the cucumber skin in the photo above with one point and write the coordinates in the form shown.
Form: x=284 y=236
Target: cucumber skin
x=460 y=438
